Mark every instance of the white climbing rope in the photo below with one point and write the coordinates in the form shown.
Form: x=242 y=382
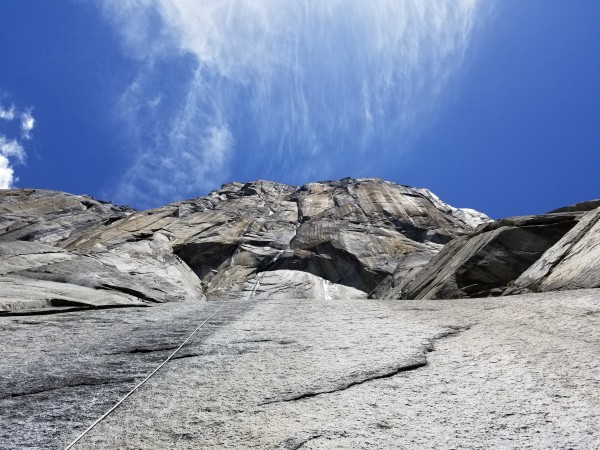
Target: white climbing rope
x=106 y=414
x=255 y=286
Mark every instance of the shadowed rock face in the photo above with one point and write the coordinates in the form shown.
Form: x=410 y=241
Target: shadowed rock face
x=483 y=263
x=559 y=250
x=343 y=236
x=572 y=263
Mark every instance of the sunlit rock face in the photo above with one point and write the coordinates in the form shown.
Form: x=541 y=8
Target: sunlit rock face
x=50 y=217
x=352 y=238
x=41 y=268
x=334 y=239
x=348 y=232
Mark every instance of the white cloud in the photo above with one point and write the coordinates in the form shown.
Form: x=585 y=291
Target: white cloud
x=7 y=114
x=11 y=150
x=6 y=173
x=27 y=124
x=290 y=81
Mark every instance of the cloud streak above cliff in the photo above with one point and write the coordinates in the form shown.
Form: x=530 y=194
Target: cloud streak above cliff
x=305 y=88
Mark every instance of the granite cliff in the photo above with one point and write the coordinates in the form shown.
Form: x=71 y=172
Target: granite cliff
x=334 y=239
x=275 y=321
x=353 y=238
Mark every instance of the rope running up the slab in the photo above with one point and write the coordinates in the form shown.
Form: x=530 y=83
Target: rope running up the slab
x=106 y=414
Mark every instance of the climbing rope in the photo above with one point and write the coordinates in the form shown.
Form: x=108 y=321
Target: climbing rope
x=107 y=413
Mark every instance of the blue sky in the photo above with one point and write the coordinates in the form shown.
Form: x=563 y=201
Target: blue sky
x=491 y=105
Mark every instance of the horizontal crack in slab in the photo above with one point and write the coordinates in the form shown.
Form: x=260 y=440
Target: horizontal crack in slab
x=63 y=309
x=186 y=355
x=301 y=444
x=300 y=441
x=148 y=350
x=342 y=386
x=66 y=386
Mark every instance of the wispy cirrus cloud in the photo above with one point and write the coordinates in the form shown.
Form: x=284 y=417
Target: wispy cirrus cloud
x=269 y=86
x=11 y=148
